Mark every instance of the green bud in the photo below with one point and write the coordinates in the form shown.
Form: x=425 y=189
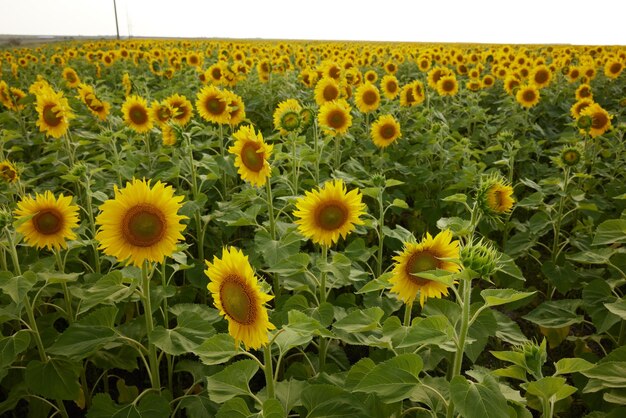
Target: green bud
x=481 y=258
x=290 y=121
x=584 y=123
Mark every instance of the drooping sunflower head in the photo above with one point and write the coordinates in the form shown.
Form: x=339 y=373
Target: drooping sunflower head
x=327 y=90
x=600 y=119
x=367 y=97
x=251 y=156
x=287 y=116
x=54 y=113
x=238 y=297
x=71 y=77
x=98 y=108
x=390 y=86
x=494 y=196
x=212 y=105
x=236 y=108
x=334 y=117
x=46 y=221
x=8 y=172
x=136 y=114
x=438 y=253
x=385 y=131
x=584 y=92
x=331 y=212
x=511 y=84
x=161 y=112
x=141 y=223
x=527 y=95
x=579 y=106
x=307 y=117
x=183 y=110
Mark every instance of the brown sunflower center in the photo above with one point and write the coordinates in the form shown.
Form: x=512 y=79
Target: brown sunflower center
x=391 y=86
x=71 y=77
x=48 y=221
x=237 y=301
x=330 y=93
x=50 y=116
x=599 y=120
x=334 y=73
x=419 y=262
x=163 y=114
x=616 y=68
x=137 y=114
x=584 y=92
x=251 y=158
x=541 y=76
x=216 y=74
x=215 y=106
x=388 y=131
x=331 y=216
x=497 y=197
x=529 y=95
x=143 y=225
x=447 y=85
x=336 y=119
x=370 y=97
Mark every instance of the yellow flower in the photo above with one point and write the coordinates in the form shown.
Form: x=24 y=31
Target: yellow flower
x=389 y=85
x=334 y=117
x=46 y=221
x=540 y=76
x=251 y=156
x=328 y=213
x=495 y=196
x=161 y=113
x=613 y=68
x=8 y=172
x=429 y=254
x=136 y=114
x=183 y=110
x=385 y=131
x=326 y=90
x=447 y=86
x=527 y=95
x=236 y=108
x=367 y=97
x=238 y=297
x=97 y=108
x=600 y=119
x=71 y=77
x=287 y=116
x=212 y=105
x=54 y=113
x=140 y=223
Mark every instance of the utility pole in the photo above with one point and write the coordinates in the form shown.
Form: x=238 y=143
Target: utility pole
x=117 y=27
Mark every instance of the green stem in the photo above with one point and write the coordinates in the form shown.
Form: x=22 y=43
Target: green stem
x=117 y=161
x=408 y=308
x=337 y=164
x=466 y=291
x=66 y=292
x=147 y=304
x=269 y=373
x=323 y=344
x=381 y=236
x=166 y=321
x=622 y=334
x=272 y=230
x=92 y=222
x=146 y=139
x=316 y=149
x=223 y=155
x=70 y=150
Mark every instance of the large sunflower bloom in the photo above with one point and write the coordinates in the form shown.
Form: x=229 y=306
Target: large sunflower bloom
x=287 y=116
x=140 y=223
x=136 y=114
x=236 y=294
x=390 y=86
x=328 y=213
x=600 y=119
x=251 y=156
x=71 y=77
x=212 y=105
x=46 y=221
x=385 y=131
x=326 y=90
x=334 y=117
x=367 y=97
x=429 y=254
x=527 y=95
x=183 y=109
x=54 y=113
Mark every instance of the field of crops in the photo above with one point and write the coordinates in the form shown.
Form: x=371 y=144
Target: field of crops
x=266 y=229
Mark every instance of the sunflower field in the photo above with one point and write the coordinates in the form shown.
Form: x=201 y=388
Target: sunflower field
x=235 y=229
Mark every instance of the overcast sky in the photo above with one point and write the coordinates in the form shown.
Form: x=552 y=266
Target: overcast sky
x=488 y=21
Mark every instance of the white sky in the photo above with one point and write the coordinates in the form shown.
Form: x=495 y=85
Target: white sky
x=490 y=21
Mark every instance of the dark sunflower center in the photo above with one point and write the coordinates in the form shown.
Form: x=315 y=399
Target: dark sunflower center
x=331 y=216
x=419 y=262
x=251 y=158
x=388 y=131
x=616 y=68
x=334 y=73
x=163 y=113
x=237 y=301
x=71 y=77
x=48 y=221
x=215 y=106
x=143 y=225
x=599 y=120
x=50 y=116
x=410 y=98
x=330 y=93
x=498 y=198
x=541 y=77
x=216 y=73
x=585 y=92
x=392 y=87
x=138 y=114
x=529 y=95
x=370 y=97
x=571 y=156
x=448 y=85
x=336 y=119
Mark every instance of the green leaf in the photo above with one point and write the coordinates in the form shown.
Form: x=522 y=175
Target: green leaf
x=496 y=297
x=478 y=400
x=506 y=265
x=430 y=330
x=11 y=346
x=217 y=349
x=610 y=232
x=611 y=374
x=272 y=408
x=304 y=324
x=191 y=331
x=232 y=381
x=393 y=380
x=54 y=379
x=234 y=408
x=572 y=365
x=484 y=327
x=531 y=201
x=17 y=286
x=550 y=388
x=399 y=203
x=289 y=393
x=556 y=314
x=53 y=277
x=617 y=308
x=329 y=401
x=358 y=371
x=80 y=341
x=563 y=277
x=595 y=295
x=459 y=197
x=360 y=320
x=108 y=290
x=150 y=406
x=599 y=256
x=377 y=284
x=289 y=338
x=458 y=226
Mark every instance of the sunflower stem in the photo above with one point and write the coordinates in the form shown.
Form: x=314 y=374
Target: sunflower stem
x=223 y=155
x=337 y=164
x=147 y=304
x=316 y=149
x=69 y=148
x=466 y=292
x=408 y=310
x=272 y=231
x=323 y=345
x=294 y=162
x=92 y=223
x=269 y=373
x=66 y=292
x=381 y=235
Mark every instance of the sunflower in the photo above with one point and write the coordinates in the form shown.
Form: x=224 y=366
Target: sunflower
x=573 y=74
x=328 y=213
x=334 y=117
x=385 y=131
x=236 y=108
x=140 y=223
x=127 y=84
x=613 y=68
x=54 y=113
x=136 y=114
x=429 y=254
x=183 y=109
x=168 y=135
x=600 y=119
x=161 y=113
x=579 y=106
x=8 y=172
x=46 y=221
x=371 y=76
x=238 y=297
x=447 y=86
x=287 y=116
x=495 y=196
x=390 y=87
x=540 y=76
x=511 y=84
x=412 y=94
x=367 y=97
x=326 y=90
x=212 y=105
x=527 y=95
x=5 y=95
x=71 y=77
x=97 y=108
x=435 y=74
x=251 y=156
x=584 y=92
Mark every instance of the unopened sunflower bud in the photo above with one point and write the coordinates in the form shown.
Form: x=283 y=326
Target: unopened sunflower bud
x=584 y=123
x=495 y=196
x=306 y=118
x=570 y=156
x=480 y=257
x=290 y=121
